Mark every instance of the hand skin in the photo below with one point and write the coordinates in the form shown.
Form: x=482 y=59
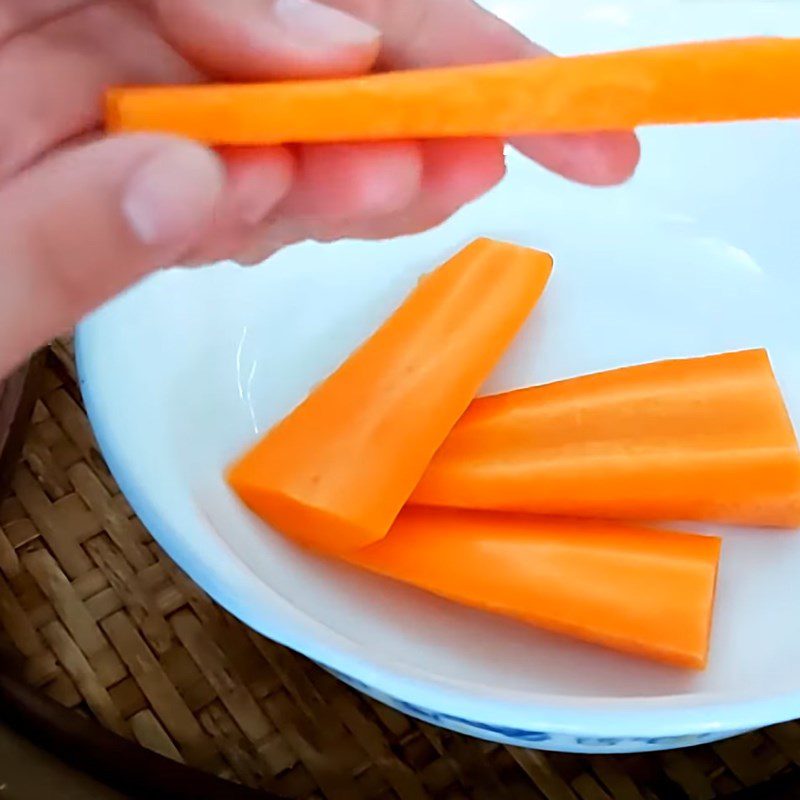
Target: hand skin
x=83 y=215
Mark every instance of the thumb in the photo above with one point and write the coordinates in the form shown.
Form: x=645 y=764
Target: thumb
x=263 y=39
x=87 y=222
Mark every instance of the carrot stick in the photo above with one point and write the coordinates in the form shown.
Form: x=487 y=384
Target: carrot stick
x=705 y=439
x=336 y=472
x=701 y=82
x=646 y=592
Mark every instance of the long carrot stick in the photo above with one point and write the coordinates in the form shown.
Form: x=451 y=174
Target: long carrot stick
x=704 y=439
x=336 y=472
x=702 y=82
x=650 y=593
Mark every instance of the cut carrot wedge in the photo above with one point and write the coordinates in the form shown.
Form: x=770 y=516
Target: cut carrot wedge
x=646 y=592
x=701 y=82
x=335 y=473
x=706 y=439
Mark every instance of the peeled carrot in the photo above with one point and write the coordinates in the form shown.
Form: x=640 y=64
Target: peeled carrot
x=705 y=439
x=701 y=82
x=336 y=472
x=646 y=592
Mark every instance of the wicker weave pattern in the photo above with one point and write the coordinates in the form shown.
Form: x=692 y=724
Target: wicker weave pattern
x=110 y=627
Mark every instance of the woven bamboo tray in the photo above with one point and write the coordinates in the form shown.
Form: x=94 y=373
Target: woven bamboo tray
x=108 y=626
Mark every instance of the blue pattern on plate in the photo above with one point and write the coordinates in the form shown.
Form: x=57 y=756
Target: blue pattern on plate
x=532 y=738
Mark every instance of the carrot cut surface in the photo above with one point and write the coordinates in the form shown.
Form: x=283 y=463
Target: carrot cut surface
x=335 y=473
x=705 y=439
x=645 y=592
x=740 y=79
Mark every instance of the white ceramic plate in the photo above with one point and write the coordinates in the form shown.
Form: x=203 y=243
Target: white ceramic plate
x=698 y=254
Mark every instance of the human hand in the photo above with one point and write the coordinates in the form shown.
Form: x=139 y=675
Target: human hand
x=82 y=215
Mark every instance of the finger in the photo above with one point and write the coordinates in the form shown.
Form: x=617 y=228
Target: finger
x=260 y=39
x=87 y=222
x=337 y=186
x=53 y=78
x=459 y=171
x=337 y=182
x=423 y=33
x=257 y=180
x=453 y=173
x=601 y=159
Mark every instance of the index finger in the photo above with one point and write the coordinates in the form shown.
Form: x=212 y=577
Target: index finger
x=427 y=33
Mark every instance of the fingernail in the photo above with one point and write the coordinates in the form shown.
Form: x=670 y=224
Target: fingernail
x=256 y=200
x=259 y=183
x=309 y=24
x=171 y=197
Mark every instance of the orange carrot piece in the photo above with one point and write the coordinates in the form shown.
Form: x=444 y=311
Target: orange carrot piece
x=335 y=473
x=705 y=439
x=645 y=592
x=701 y=82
